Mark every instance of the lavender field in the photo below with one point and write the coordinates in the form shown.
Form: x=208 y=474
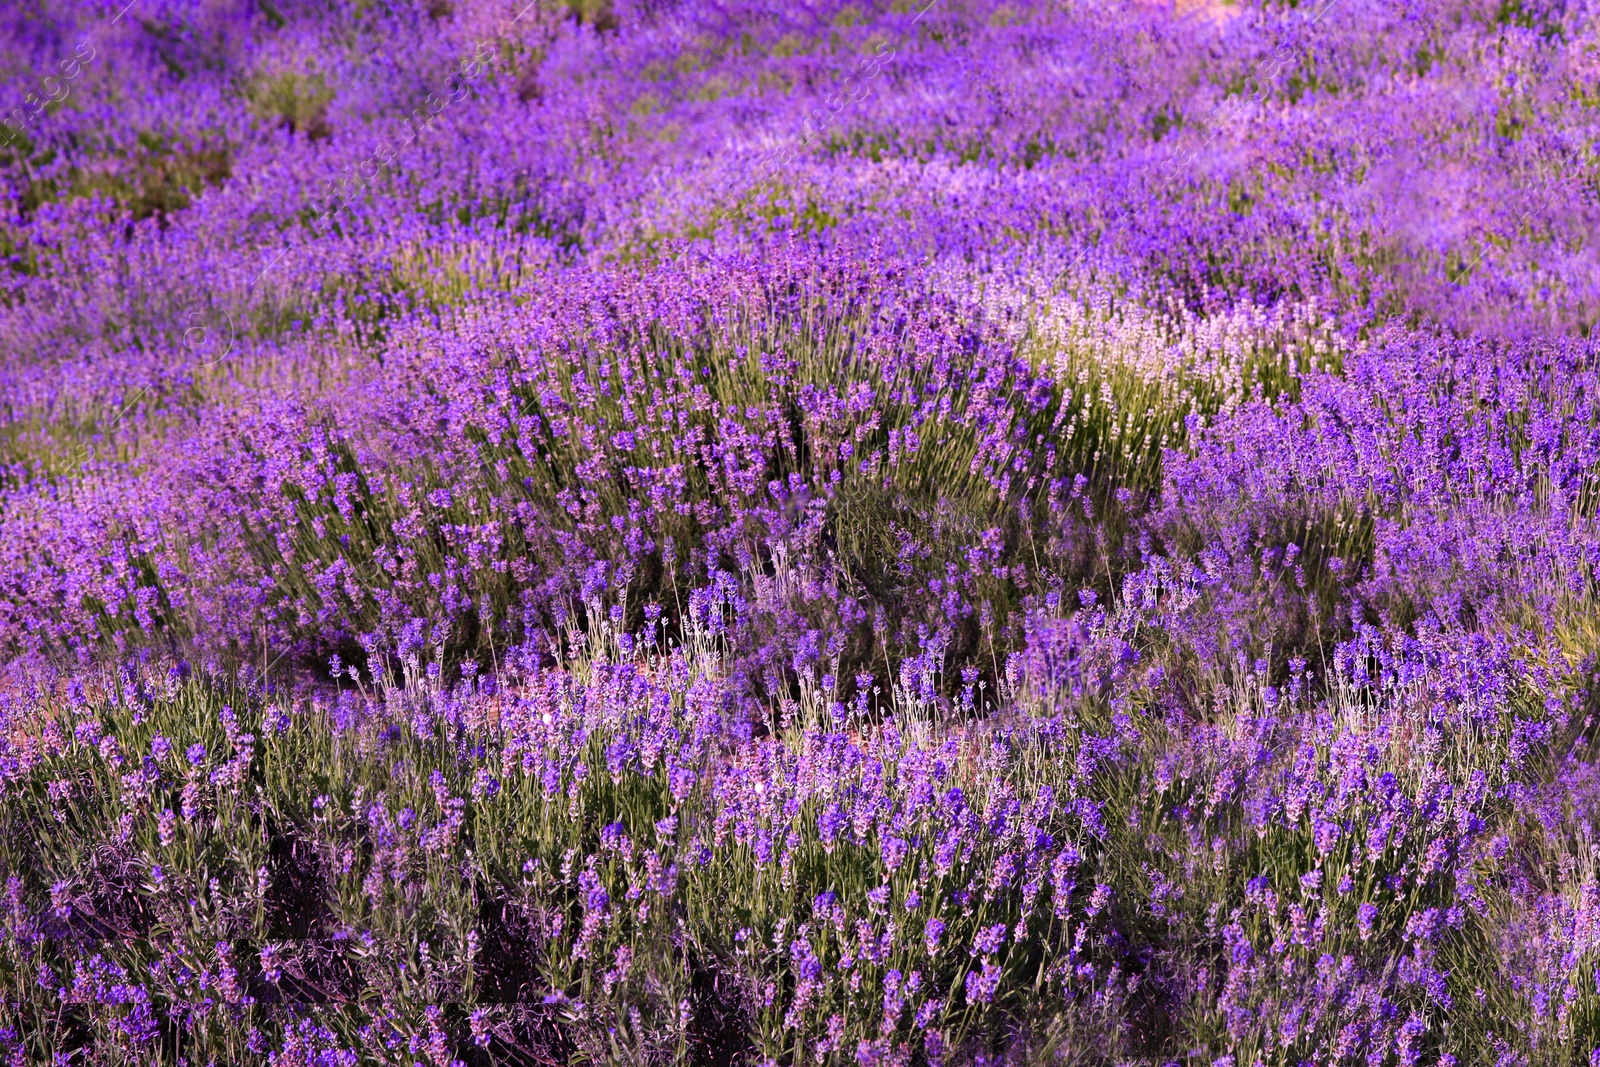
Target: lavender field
x=893 y=532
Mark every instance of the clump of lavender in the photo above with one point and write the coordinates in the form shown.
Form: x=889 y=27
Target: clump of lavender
x=650 y=871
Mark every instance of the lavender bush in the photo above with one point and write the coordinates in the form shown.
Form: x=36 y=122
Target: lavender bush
x=877 y=533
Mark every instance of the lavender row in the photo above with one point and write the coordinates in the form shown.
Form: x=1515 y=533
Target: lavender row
x=614 y=858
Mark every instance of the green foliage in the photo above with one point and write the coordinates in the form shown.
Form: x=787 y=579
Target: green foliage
x=298 y=101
